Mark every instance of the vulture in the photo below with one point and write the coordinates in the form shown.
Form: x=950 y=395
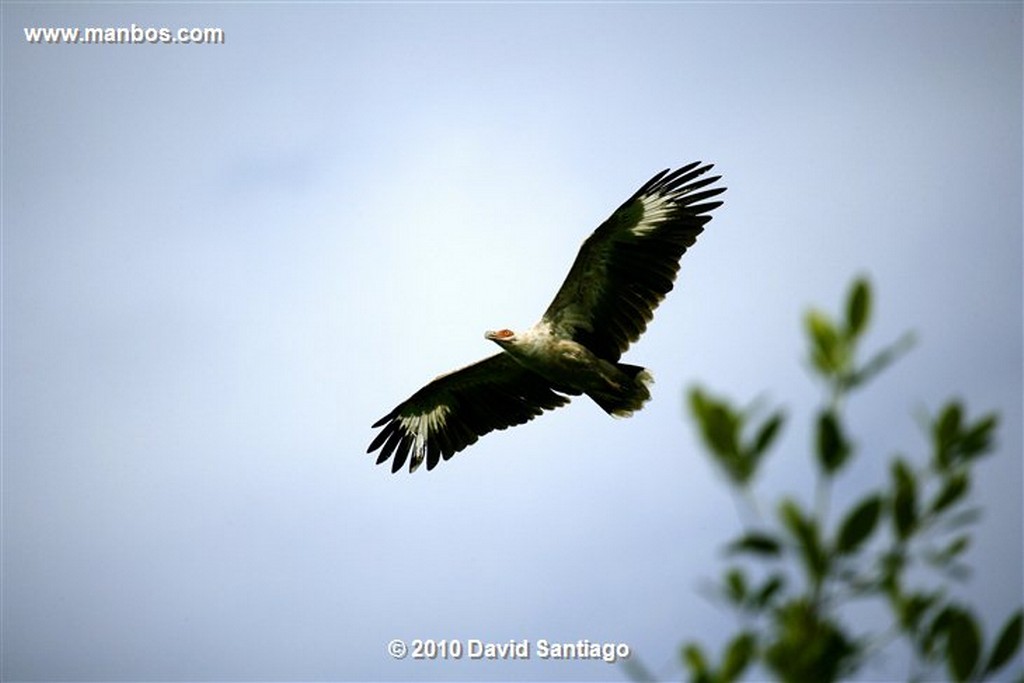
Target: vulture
x=621 y=273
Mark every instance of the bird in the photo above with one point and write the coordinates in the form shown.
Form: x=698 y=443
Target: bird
x=621 y=273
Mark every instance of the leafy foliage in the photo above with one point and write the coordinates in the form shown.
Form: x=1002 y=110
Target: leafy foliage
x=918 y=517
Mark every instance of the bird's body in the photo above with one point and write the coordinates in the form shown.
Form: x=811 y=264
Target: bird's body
x=621 y=273
x=572 y=368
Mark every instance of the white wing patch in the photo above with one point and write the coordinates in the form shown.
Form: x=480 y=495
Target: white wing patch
x=656 y=209
x=421 y=427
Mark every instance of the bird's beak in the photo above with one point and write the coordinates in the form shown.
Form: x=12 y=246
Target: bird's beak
x=500 y=336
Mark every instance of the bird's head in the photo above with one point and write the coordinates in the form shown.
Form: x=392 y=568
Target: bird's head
x=501 y=337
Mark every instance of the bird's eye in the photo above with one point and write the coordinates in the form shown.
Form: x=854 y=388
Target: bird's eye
x=504 y=334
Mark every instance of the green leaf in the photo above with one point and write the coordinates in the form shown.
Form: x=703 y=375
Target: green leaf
x=738 y=655
x=720 y=428
x=952 y=490
x=957 y=442
x=880 y=361
x=904 y=499
x=963 y=645
x=891 y=565
x=1007 y=644
x=938 y=631
x=833 y=447
x=956 y=571
x=957 y=547
x=736 y=586
x=772 y=586
x=961 y=518
x=766 y=435
x=827 y=349
x=694 y=659
x=949 y=553
x=806 y=645
x=718 y=422
x=859 y=524
x=805 y=530
x=858 y=308
x=978 y=439
x=948 y=424
x=946 y=432
x=756 y=543
x=792 y=518
x=912 y=609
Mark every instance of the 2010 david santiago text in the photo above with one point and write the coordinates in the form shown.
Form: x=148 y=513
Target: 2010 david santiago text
x=473 y=648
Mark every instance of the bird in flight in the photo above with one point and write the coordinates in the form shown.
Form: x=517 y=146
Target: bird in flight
x=621 y=273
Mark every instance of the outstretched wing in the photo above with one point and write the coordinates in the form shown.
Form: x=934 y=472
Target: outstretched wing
x=628 y=265
x=456 y=409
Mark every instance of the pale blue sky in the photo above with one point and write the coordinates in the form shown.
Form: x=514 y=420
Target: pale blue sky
x=222 y=263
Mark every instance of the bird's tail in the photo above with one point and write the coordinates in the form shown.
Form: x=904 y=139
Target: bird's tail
x=630 y=396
